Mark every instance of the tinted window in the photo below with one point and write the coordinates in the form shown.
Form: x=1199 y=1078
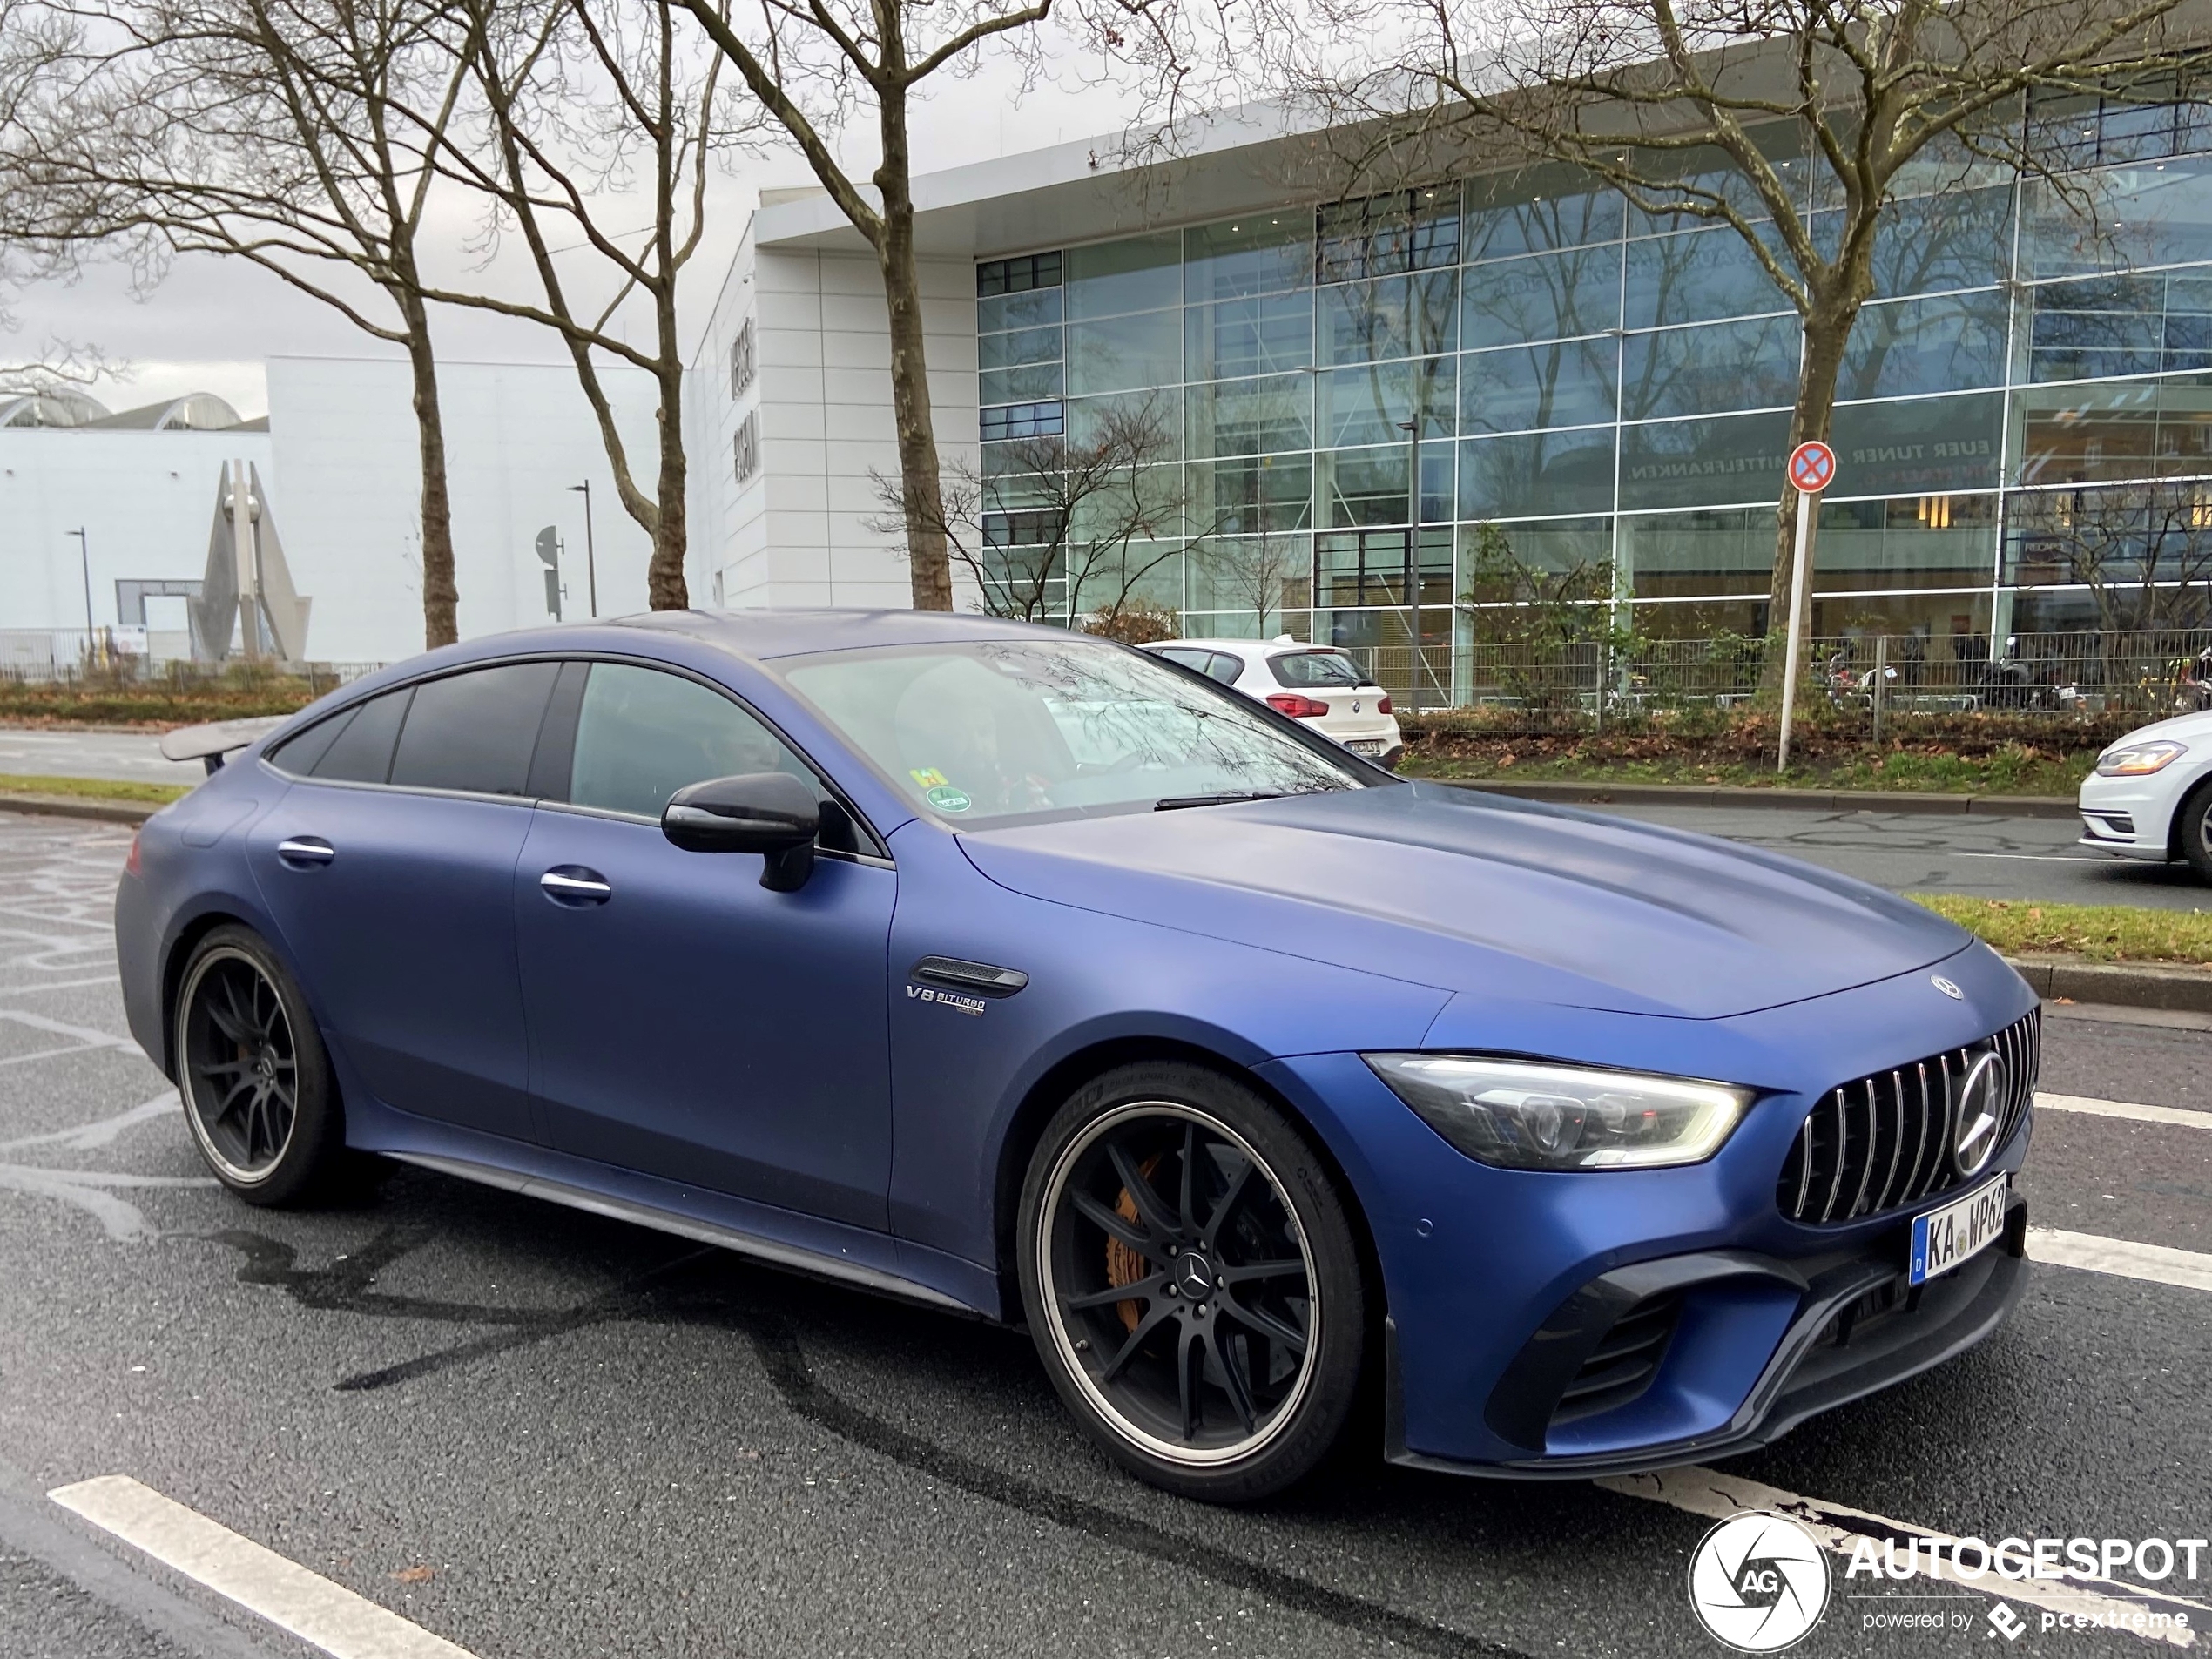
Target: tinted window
x=642 y=735
x=1313 y=668
x=298 y=755
x=1201 y=660
x=361 y=754
x=1226 y=669
x=474 y=730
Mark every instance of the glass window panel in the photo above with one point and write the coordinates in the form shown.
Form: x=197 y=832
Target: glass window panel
x=1250 y=417
x=1917 y=447
x=1685 y=555
x=2109 y=539
x=1021 y=421
x=361 y=752
x=1916 y=346
x=1139 y=273
x=1567 y=383
x=1255 y=575
x=1539 y=209
x=1389 y=317
x=1696 y=276
x=1724 y=366
x=1687 y=463
x=2091 y=434
x=1960 y=240
x=1012 y=276
x=1548 y=297
x=1018 y=385
x=1261 y=252
x=1095 y=421
x=2143 y=216
x=474 y=732
x=1262 y=334
x=1368 y=568
x=1365 y=405
x=1363 y=487
x=1553 y=548
x=1023 y=345
x=1936 y=541
x=1245 y=495
x=1122 y=353
x=1536 y=474
x=1406 y=230
x=1032 y=309
x=642 y=735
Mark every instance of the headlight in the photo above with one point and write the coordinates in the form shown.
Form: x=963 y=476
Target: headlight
x=2138 y=759
x=1518 y=1115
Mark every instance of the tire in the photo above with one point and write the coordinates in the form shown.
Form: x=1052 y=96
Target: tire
x=2193 y=829
x=1228 y=1371
x=255 y=1078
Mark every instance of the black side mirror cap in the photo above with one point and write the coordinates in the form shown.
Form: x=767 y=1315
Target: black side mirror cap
x=769 y=812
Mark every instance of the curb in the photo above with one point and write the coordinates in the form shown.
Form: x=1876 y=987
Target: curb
x=1848 y=800
x=2183 y=990
x=104 y=812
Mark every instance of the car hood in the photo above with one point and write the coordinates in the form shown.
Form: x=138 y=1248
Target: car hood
x=2194 y=730
x=1479 y=892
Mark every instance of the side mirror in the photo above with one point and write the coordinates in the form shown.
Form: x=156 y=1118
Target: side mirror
x=769 y=812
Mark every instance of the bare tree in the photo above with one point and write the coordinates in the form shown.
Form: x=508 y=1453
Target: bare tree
x=816 y=65
x=1259 y=569
x=1753 y=114
x=296 y=134
x=2144 y=554
x=1061 y=527
x=579 y=100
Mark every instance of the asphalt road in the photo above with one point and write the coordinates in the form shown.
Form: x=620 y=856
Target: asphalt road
x=51 y=751
x=534 y=1432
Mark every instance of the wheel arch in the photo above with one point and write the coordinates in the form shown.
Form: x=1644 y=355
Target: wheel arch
x=1050 y=1091
x=2195 y=799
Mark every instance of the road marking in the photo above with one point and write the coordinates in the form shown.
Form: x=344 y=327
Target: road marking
x=1716 y=1496
x=306 y=1604
x=2046 y=857
x=2128 y=1109
x=2160 y=1264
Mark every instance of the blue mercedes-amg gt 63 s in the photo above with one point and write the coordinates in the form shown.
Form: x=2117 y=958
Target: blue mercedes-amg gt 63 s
x=1022 y=973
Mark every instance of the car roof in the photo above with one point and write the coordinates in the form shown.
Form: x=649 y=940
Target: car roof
x=769 y=633
x=1240 y=646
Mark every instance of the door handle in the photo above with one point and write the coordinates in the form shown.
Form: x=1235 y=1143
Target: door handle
x=302 y=851
x=571 y=884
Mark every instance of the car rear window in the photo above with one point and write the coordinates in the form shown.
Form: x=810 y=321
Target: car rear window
x=1310 y=669
x=473 y=732
x=354 y=748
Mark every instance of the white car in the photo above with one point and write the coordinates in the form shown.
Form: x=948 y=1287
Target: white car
x=1318 y=684
x=2151 y=794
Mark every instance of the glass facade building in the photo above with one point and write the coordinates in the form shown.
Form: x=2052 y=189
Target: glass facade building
x=2024 y=426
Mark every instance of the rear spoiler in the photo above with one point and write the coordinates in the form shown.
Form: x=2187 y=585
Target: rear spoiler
x=208 y=744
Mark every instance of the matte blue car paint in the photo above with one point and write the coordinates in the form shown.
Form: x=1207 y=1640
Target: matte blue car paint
x=1466 y=922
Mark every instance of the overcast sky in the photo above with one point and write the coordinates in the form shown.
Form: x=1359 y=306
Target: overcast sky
x=209 y=323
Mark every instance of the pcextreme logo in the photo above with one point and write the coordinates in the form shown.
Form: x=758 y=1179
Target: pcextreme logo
x=1758 y=1582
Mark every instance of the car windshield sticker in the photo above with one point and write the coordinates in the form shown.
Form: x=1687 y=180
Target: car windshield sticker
x=946 y=798
x=926 y=776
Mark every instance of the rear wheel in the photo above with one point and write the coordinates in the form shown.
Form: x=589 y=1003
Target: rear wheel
x=258 y=1091
x=2195 y=829
x=1192 y=1282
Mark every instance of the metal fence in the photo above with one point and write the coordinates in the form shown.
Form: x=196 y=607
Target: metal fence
x=120 y=658
x=1551 y=687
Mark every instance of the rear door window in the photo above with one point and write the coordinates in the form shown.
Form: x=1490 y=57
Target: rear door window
x=1314 y=669
x=361 y=751
x=1201 y=660
x=474 y=730
x=1225 y=668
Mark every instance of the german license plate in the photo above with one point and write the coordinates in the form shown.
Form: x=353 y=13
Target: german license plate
x=1366 y=746
x=1942 y=1238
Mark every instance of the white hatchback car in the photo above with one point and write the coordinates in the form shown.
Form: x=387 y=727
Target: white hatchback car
x=2151 y=794
x=1318 y=684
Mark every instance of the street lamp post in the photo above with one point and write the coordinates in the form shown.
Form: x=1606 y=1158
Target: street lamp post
x=1412 y=430
x=591 y=558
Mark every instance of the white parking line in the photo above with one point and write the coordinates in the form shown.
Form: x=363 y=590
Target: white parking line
x=306 y=1604
x=2176 y=1115
x=2190 y=1269
x=1711 y=1493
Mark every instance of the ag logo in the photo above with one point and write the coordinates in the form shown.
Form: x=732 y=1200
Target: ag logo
x=1758 y=1582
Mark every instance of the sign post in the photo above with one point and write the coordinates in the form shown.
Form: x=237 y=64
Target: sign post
x=1812 y=468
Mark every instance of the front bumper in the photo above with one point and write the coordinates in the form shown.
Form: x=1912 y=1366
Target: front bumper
x=2133 y=817
x=1856 y=1328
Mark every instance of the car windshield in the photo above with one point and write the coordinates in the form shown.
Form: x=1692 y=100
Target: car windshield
x=990 y=730
x=1310 y=669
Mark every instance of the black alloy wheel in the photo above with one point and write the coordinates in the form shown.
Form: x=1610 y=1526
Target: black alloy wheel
x=1192 y=1282
x=253 y=1071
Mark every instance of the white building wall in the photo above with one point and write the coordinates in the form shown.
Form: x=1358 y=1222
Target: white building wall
x=347 y=495
x=798 y=534
x=145 y=500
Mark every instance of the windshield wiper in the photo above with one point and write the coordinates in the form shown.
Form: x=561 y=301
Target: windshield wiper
x=1174 y=803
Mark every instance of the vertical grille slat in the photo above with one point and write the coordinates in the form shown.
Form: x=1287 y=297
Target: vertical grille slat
x=1849 y=1158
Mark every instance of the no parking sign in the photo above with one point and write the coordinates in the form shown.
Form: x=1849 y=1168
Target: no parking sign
x=1812 y=466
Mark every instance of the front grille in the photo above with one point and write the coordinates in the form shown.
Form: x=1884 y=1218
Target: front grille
x=1885 y=1140
x=1621 y=1365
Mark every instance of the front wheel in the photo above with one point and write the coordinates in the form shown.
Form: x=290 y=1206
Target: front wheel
x=1192 y=1282
x=258 y=1091
x=2193 y=825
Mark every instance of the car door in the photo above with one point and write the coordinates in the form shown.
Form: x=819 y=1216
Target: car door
x=685 y=1020
x=389 y=869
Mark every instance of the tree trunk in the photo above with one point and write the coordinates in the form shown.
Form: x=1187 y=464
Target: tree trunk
x=1824 y=337
x=665 y=588
x=440 y=597
x=929 y=568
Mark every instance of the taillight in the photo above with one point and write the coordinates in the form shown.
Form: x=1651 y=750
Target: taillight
x=130 y=863
x=1299 y=708
x=1382 y=705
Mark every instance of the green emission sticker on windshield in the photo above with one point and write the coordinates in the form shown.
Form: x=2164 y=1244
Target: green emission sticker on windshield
x=946 y=798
